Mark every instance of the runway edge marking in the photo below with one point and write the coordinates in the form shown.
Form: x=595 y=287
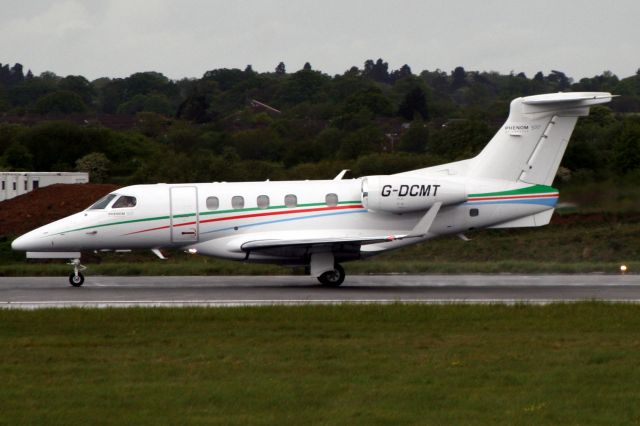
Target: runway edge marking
x=31 y=305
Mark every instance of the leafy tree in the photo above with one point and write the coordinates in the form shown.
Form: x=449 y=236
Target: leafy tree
x=11 y=76
x=226 y=78
x=78 y=85
x=389 y=163
x=17 y=73
x=559 y=80
x=629 y=86
x=112 y=94
x=325 y=119
x=4 y=100
x=143 y=83
x=64 y=102
x=366 y=140
x=18 y=157
x=303 y=86
x=414 y=103
x=403 y=72
x=344 y=86
x=627 y=148
x=458 y=78
x=96 y=164
x=437 y=80
x=201 y=103
x=415 y=138
x=153 y=102
x=258 y=144
x=150 y=123
x=377 y=71
x=327 y=143
x=458 y=139
x=183 y=138
x=9 y=133
x=30 y=90
x=370 y=98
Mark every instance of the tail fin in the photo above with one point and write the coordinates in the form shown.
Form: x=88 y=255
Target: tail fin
x=530 y=145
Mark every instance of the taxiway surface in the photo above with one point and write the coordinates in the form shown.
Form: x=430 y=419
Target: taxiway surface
x=100 y=291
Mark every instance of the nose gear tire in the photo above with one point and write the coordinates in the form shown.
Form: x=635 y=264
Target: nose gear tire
x=76 y=280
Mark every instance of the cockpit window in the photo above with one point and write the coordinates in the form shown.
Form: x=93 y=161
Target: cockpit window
x=124 y=201
x=102 y=202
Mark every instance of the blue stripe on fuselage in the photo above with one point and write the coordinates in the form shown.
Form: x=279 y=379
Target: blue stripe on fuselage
x=269 y=222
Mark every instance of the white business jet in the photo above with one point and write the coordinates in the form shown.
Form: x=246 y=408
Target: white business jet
x=322 y=223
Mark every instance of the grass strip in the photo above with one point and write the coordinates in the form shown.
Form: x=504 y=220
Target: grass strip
x=398 y=364
x=374 y=266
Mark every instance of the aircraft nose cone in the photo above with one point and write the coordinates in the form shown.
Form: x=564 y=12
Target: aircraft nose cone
x=30 y=242
x=20 y=244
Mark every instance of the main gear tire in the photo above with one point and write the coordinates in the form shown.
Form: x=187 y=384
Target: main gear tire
x=333 y=278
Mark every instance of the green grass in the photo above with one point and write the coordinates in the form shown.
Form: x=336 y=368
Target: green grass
x=399 y=364
x=371 y=266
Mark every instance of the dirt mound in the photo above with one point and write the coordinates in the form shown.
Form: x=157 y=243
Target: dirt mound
x=26 y=212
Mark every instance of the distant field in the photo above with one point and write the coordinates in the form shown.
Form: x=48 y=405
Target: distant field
x=399 y=364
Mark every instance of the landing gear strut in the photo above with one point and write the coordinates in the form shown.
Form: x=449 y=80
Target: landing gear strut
x=333 y=278
x=76 y=278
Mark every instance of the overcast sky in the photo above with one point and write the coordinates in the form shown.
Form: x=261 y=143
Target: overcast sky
x=185 y=38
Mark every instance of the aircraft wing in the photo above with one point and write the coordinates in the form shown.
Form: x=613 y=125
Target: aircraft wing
x=421 y=228
x=295 y=248
x=312 y=242
x=340 y=243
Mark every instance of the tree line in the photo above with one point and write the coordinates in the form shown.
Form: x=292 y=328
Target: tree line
x=234 y=124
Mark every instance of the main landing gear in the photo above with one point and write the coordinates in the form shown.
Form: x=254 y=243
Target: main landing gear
x=333 y=278
x=76 y=278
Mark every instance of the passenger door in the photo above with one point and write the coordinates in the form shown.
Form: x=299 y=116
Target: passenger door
x=184 y=214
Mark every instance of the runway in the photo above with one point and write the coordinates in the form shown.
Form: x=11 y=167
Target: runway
x=102 y=291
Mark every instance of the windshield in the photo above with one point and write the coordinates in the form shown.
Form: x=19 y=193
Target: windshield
x=102 y=202
x=124 y=201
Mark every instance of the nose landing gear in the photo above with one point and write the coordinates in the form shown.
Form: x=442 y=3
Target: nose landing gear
x=76 y=278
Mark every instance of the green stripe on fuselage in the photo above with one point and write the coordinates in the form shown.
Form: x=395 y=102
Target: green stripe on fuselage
x=205 y=213
x=529 y=190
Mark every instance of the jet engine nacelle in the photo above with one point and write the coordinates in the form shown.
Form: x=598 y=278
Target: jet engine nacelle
x=400 y=194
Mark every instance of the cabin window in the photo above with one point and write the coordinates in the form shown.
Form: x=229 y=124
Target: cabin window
x=474 y=212
x=102 y=202
x=14 y=186
x=124 y=202
x=332 y=200
x=263 y=201
x=237 y=202
x=3 y=185
x=26 y=187
x=213 y=203
x=290 y=200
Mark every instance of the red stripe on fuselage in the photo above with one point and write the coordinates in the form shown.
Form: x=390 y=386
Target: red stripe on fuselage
x=317 y=209
x=251 y=215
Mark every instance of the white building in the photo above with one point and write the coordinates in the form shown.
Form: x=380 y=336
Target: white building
x=13 y=184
